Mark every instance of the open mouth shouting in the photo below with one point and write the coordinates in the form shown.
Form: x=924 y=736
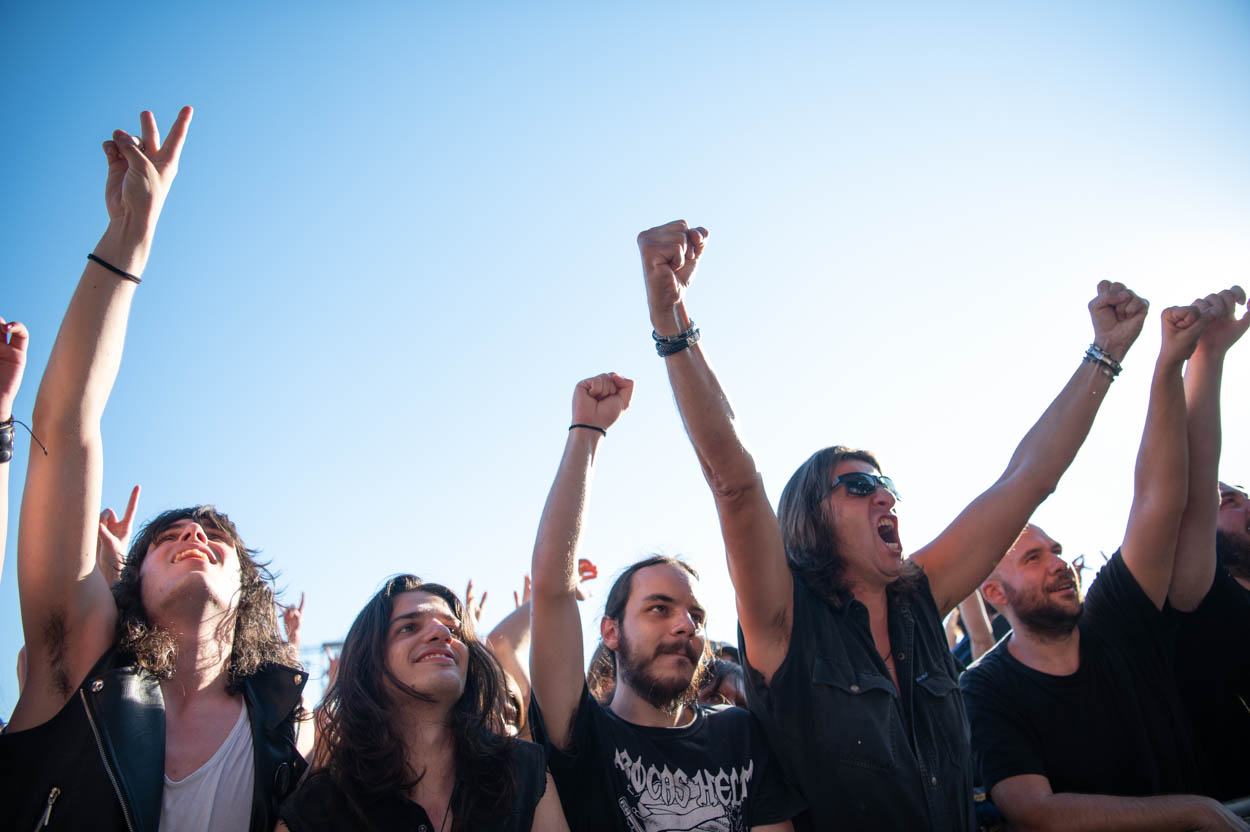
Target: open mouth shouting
x=887 y=530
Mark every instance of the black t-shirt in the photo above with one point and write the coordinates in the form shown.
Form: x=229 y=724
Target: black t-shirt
x=714 y=774
x=1213 y=672
x=867 y=755
x=318 y=805
x=1114 y=727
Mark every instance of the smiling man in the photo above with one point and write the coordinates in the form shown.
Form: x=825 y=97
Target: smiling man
x=160 y=703
x=653 y=759
x=1076 y=718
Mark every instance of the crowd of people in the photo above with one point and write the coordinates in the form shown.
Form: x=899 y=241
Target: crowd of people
x=158 y=691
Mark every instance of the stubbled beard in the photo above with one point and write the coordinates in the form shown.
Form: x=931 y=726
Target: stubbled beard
x=1042 y=618
x=1233 y=553
x=664 y=694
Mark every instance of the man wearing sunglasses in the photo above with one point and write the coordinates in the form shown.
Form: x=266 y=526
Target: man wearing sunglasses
x=1076 y=718
x=843 y=646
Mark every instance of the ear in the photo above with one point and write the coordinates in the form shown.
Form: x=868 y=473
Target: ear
x=610 y=631
x=992 y=591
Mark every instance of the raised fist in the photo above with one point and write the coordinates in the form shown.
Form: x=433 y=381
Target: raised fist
x=600 y=401
x=13 y=342
x=1118 y=314
x=1182 y=327
x=1226 y=328
x=670 y=255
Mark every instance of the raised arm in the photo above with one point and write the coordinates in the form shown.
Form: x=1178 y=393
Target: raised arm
x=976 y=624
x=510 y=640
x=762 y=582
x=113 y=539
x=1160 y=480
x=965 y=553
x=67 y=611
x=1194 y=566
x=13 y=342
x=556 y=646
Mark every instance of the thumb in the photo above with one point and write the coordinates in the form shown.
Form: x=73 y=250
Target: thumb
x=128 y=146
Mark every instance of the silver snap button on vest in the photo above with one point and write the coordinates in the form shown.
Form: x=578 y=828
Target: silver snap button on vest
x=854 y=688
x=932 y=781
x=297 y=678
x=97 y=686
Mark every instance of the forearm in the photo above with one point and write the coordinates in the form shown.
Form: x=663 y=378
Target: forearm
x=1047 y=450
x=1159 y=489
x=1067 y=812
x=512 y=635
x=977 y=625
x=705 y=411
x=1194 y=566
x=559 y=531
x=87 y=353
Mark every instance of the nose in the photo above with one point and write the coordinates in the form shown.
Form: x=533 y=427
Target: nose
x=193 y=531
x=882 y=497
x=684 y=624
x=439 y=632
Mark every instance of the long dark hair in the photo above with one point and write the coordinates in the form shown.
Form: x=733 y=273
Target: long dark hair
x=363 y=751
x=807 y=530
x=255 y=622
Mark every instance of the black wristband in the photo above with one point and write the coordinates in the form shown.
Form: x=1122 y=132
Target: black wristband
x=589 y=427
x=666 y=345
x=101 y=262
x=6 y=438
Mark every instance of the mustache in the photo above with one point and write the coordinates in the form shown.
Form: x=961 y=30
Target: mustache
x=680 y=647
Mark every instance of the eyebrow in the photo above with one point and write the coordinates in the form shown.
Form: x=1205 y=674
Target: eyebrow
x=668 y=599
x=424 y=614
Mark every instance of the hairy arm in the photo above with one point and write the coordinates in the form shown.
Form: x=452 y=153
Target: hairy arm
x=1030 y=806
x=556 y=646
x=762 y=581
x=965 y=553
x=68 y=613
x=1194 y=566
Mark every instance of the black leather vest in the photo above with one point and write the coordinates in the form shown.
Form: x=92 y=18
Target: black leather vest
x=100 y=762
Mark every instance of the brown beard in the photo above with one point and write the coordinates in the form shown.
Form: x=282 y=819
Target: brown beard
x=1232 y=552
x=666 y=695
x=1042 y=618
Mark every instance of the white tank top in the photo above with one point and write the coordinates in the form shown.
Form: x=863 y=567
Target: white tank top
x=216 y=797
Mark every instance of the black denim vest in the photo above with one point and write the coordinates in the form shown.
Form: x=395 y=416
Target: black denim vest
x=865 y=754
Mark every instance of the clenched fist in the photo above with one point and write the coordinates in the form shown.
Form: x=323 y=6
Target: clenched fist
x=1118 y=314
x=1182 y=327
x=670 y=255
x=600 y=401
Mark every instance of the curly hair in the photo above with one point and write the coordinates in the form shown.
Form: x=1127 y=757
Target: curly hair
x=807 y=529
x=363 y=751
x=255 y=621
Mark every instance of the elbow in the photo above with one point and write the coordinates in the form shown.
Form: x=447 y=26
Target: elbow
x=733 y=492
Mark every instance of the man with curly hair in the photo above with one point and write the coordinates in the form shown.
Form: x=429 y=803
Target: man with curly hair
x=161 y=702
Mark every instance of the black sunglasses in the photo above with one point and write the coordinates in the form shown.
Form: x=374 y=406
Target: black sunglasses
x=861 y=484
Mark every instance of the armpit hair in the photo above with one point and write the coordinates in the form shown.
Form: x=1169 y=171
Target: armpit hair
x=56 y=642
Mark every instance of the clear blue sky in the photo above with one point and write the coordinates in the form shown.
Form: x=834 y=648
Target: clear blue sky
x=402 y=232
